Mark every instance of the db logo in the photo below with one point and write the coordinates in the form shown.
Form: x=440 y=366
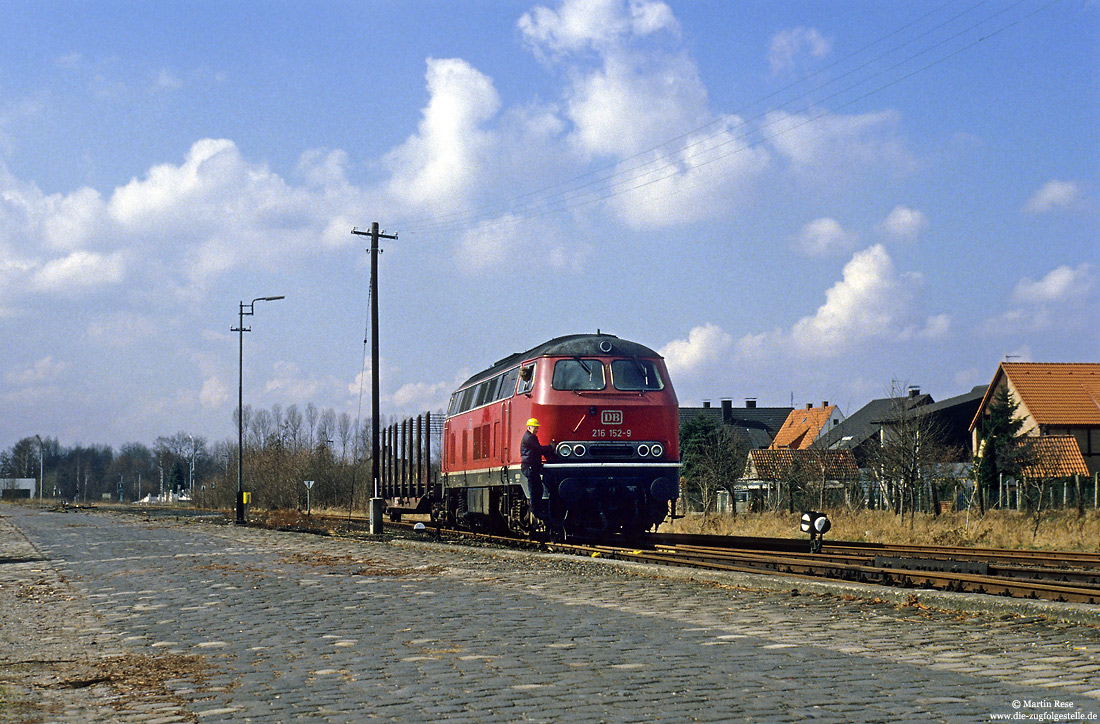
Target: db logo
x=611 y=417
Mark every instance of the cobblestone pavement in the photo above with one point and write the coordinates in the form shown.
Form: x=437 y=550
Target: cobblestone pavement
x=158 y=621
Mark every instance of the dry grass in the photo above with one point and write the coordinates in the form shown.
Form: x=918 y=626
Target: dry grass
x=1058 y=530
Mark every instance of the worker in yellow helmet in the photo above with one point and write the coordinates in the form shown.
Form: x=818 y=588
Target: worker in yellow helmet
x=531 y=452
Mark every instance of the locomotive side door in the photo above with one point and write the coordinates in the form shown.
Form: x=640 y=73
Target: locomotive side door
x=505 y=426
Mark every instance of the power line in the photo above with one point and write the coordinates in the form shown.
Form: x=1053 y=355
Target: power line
x=614 y=179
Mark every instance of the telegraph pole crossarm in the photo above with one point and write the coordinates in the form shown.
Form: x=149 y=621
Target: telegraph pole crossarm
x=376 y=490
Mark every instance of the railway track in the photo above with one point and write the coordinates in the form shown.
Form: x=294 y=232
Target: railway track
x=1052 y=575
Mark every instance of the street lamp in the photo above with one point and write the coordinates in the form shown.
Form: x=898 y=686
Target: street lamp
x=240 y=329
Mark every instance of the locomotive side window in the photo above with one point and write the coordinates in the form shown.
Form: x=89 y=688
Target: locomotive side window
x=467 y=399
x=578 y=374
x=508 y=384
x=636 y=374
x=483 y=393
x=526 y=379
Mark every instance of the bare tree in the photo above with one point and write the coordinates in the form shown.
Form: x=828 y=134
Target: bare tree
x=262 y=427
x=294 y=427
x=311 y=418
x=343 y=430
x=910 y=452
x=326 y=426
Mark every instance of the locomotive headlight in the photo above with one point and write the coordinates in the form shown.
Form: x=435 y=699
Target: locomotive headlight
x=643 y=450
x=579 y=450
x=564 y=450
x=657 y=450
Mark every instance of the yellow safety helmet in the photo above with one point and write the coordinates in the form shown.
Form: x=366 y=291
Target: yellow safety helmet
x=532 y=422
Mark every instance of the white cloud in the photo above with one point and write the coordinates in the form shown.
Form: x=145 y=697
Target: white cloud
x=1054 y=195
x=700 y=180
x=871 y=302
x=498 y=243
x=75 y=220
x=788 y=47
x=414 y=396
x=624 y=61
x=593 y=24
x=824 y=235
x=864 y=304
x=121 y=329
x=661 y=97
x=658 y=90
x=1063 y=284
x=838 y=145
x=411 y=397
x=705 y=345
x=167 y=80
x=291 y=383
x=212 y=170
x=214 y=393
x=435 y=168
x=79 y=271
x=904 y=223
x=43 y=370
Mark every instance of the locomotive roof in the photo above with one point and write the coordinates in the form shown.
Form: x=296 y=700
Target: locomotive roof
x=571 y=345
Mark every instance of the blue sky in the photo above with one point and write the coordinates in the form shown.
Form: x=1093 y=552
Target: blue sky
x=791 y=201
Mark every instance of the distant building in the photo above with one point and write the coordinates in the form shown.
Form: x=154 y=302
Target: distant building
x=1055 y=399
x=757 y=425
x=14 y=488
x=803 y=427
x=862 y=431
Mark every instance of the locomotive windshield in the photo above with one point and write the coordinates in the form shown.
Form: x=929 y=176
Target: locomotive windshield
x=578 y=374
x=636 y=375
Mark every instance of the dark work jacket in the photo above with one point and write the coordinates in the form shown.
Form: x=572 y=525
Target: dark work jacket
x=531 y=450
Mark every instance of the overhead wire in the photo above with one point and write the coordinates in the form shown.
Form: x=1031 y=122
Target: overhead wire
x=630 y=178
x=618 y=166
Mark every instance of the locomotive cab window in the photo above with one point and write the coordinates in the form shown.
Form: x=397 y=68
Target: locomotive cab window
x=526 y=379
x=636 y=375
x=578 y=374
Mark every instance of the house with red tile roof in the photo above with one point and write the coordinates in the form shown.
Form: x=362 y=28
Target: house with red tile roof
x=1055 y=399
x=804 y=426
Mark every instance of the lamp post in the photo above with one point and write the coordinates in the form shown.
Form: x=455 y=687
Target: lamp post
x=240 y=329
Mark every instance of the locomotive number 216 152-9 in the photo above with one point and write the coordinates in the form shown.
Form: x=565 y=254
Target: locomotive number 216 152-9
x=614 y=432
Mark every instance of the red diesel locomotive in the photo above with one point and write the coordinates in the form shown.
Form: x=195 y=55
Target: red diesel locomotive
x=606 y=407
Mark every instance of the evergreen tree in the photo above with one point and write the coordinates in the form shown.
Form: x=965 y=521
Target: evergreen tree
x=998 y=452
x=712 y=458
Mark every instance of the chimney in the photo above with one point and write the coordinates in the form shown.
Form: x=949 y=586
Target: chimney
x=706 y=404
x=809 y=405
x=750 y=403
x=914 y=392
x=727 y=409
x=824 y=403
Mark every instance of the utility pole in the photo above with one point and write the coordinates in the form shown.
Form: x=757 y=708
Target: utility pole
x=376 y=490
